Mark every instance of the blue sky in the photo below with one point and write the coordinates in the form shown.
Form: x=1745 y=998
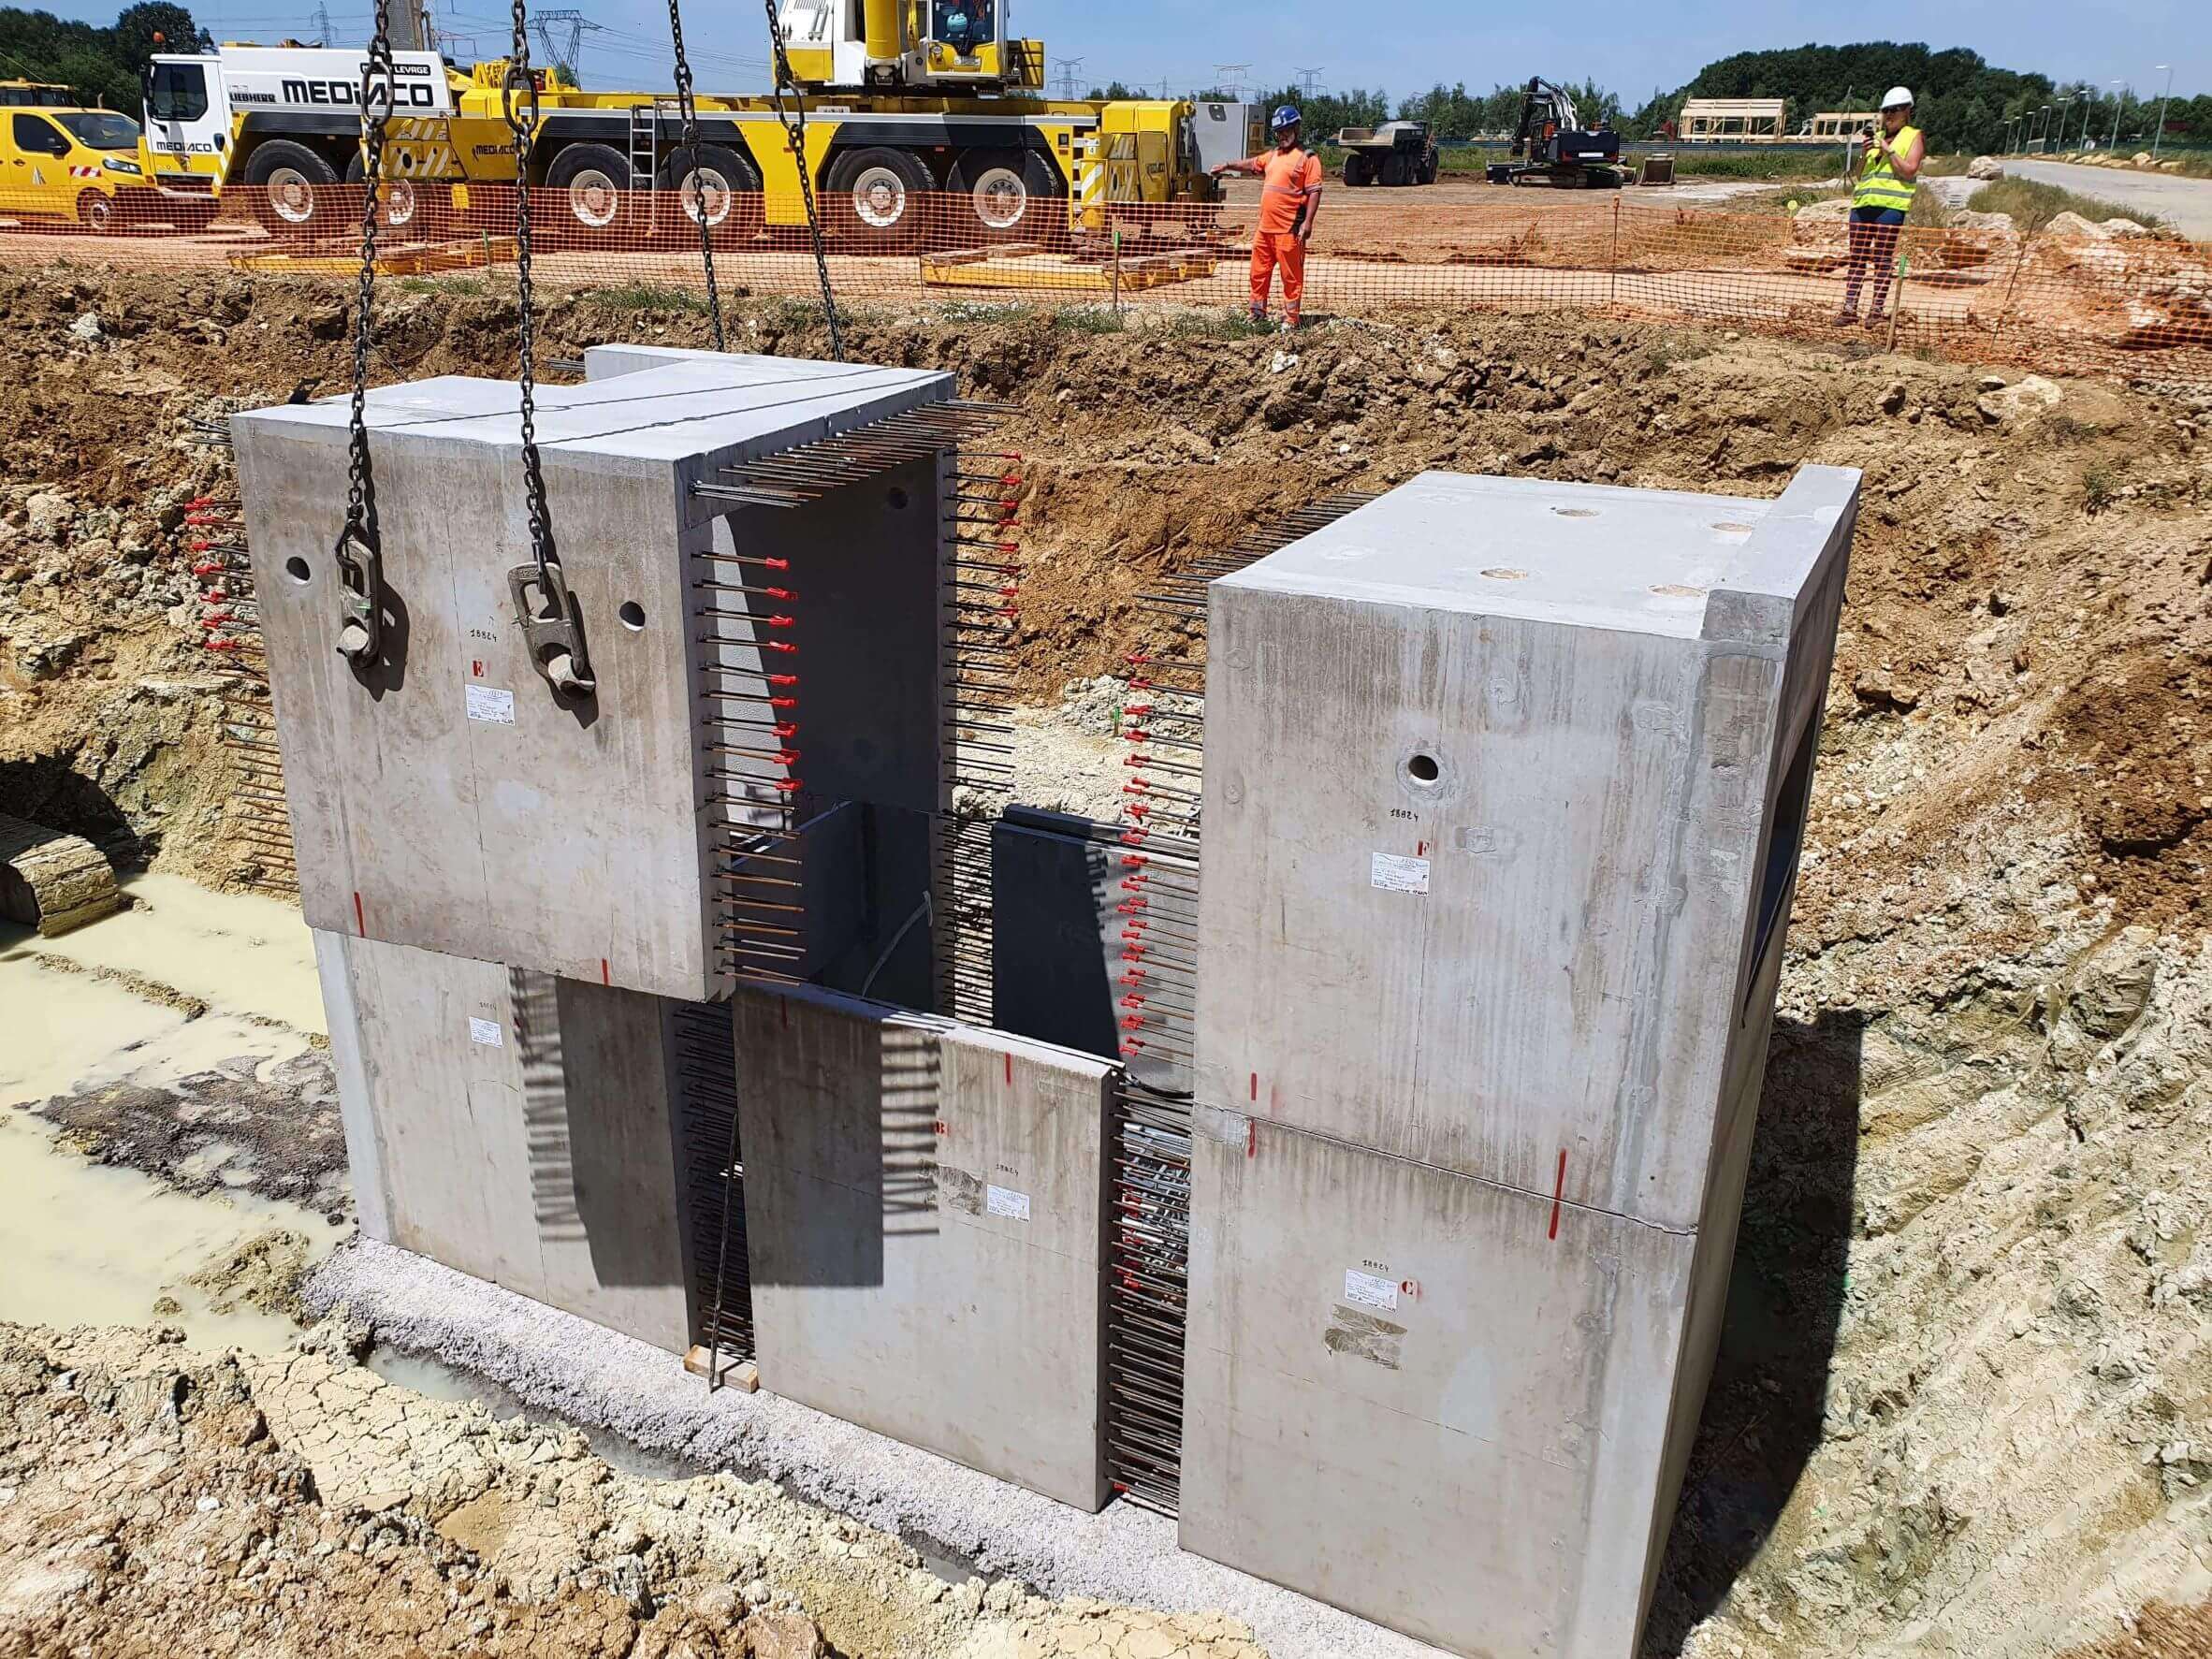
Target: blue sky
x=1402 y=47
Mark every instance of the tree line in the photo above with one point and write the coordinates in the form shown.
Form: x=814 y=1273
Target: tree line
x=99 y=65
x=1965 y=103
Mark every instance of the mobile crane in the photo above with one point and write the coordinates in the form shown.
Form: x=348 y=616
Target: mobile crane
x=904 y=99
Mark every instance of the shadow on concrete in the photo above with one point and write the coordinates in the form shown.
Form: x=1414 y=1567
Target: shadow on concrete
x=48 y=792
x=1764 y=1409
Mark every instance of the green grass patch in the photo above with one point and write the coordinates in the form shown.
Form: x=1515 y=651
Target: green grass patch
x=1214 y=325
x=649 y=297
x=451 y=284
x=1809 y=161
x=2033 y=204
x=1090 y=319
x=2098 y=487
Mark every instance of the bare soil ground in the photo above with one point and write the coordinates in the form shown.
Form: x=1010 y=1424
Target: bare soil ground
x=1965 y=1395
x=156 y=1502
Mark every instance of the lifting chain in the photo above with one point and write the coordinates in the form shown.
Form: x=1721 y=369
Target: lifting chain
x=689 y=107
x=794 y=123
x=541 y=603
x=359 y=557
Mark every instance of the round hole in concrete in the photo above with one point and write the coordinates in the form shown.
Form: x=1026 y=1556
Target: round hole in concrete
x=633 y=615
x=1576 y=512
x=1423 y=768
x=1505 y=573
x=1728 y=527
x=897 y=497
x=296 y=567
x=1677 y=590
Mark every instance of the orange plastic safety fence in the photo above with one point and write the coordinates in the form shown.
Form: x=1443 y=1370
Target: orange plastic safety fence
x=1982 y=292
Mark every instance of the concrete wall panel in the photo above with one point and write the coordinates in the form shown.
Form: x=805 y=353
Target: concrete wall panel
x=925 y=1207
x=513 y=1126
x=1409 y=1396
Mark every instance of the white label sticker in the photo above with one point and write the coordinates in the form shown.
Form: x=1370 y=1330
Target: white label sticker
x=1368 y=1291
x=1004 y=1200
x=486 y=1032
x=1396 y=873
x=488 y=702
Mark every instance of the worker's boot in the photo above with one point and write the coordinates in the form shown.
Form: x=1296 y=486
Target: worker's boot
x=1876 y=318
x=1847 y=317
x=1259 y=317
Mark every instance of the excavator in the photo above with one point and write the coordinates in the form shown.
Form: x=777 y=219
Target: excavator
x=1551 y=146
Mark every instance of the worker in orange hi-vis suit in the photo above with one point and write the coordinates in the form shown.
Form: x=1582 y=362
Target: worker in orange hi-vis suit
x=1288 y=201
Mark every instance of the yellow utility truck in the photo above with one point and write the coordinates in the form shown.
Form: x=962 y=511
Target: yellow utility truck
x=64 y=162
x=908 y=103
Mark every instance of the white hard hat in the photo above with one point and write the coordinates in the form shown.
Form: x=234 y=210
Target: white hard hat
x=1897 y=97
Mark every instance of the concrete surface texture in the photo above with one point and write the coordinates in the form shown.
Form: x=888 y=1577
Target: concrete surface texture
x=560 y=1363
x=1512 y=779
x=1497 y=822
x=924 y=1210
x=439 y=795
x=1421 y=1397
x=2186 y=204
x=514 y=1126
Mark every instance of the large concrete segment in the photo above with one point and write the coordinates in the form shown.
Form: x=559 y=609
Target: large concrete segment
x=1054 y=956
x=512 y=1125
x=447 y=798
x=926 y=1209
x=1427 y=1399
x=1490 y=771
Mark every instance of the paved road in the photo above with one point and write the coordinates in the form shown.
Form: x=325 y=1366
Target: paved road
x=2186 y=204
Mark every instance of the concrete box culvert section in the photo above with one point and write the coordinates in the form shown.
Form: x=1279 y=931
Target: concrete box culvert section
x=446 y=796
x=1505 y=785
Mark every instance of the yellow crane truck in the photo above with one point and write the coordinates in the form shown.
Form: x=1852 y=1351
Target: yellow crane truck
x=905 y=100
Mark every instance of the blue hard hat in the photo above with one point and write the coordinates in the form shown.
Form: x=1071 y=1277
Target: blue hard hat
x=1287 y=115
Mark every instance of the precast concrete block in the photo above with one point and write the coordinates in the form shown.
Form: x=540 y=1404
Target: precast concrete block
x=1442 y=1404
x=924 y=1212
x=1505 y=784
x=513 y=1124
x=446 y=796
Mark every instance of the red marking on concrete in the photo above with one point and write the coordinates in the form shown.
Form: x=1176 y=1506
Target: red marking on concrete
x=1558 y=1187
x=1009 y=1068
x=783 y=1014
x=1255 y=1085
x=603 y=979
x=476 y=667
x=1420 y=849
x=1251 y=1138
x=360 y=925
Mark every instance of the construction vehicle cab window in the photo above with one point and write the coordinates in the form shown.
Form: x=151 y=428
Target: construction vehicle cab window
x=924 y=124
x=1289 y=200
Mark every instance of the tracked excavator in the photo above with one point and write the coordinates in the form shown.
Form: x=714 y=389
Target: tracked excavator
x=1552 y=147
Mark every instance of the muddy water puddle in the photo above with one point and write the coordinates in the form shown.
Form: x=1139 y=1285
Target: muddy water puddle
x=133 y=1040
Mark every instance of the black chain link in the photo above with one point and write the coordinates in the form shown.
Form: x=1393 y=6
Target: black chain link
x=688 y=106
x=794 y=131
x=519 y=98
x=377 y=80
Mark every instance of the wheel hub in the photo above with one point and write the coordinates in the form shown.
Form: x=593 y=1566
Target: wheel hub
x=593 y=198
x=880 y=198
x=291 y=195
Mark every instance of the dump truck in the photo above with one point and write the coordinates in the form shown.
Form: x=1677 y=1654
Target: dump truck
x=891 y=121
x=1395 y=152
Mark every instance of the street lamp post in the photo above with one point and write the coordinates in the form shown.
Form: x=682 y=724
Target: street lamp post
x=2062 y=121
x=2119 y=99
x=2088 y=107
x=2157 y=128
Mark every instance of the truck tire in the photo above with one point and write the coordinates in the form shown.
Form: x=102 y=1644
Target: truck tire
x=726 y=182
x=100 y=213
x=400 y=205
x=1008 y=195
x=287 y=188
x=878 y=200
x=594 y=183
x=1355 y=169
x=1396 y=171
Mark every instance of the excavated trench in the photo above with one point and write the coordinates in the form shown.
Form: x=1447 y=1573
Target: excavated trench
x=1965 y=1391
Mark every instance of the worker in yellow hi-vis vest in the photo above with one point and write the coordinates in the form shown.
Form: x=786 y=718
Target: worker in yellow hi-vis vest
x=1880 y=199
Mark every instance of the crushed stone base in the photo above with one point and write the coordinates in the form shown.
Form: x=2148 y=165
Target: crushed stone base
x=589 y=1375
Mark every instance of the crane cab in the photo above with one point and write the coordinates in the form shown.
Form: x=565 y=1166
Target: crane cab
x=952 y=46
